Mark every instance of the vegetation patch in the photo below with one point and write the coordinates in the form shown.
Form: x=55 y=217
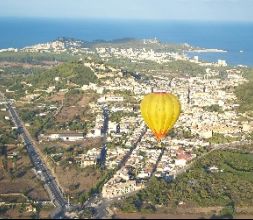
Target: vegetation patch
x=244 y=93
x=229 y=187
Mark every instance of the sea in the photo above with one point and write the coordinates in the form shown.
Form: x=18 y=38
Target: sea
x=234 y=37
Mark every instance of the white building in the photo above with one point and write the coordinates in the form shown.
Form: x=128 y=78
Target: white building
x=64 y=137
x=110 y=99
x=222 y=63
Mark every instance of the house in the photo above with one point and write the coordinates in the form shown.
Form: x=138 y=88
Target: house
x=114 y=190
x=182 y=158
x=86 y=163
x=7 y=118
x=112 y=127
x=57 y=79
x=30 y=208
x=143 y=175
x=180 y=162
x=206 y=134
x=214 y=169
x=110 y=98
x=88 y=159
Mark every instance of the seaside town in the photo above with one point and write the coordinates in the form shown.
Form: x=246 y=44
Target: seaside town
x=208 y=116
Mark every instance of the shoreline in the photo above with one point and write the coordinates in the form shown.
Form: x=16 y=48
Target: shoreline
x=207 y=51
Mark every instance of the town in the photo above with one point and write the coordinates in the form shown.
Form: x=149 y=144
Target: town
x=209 y=116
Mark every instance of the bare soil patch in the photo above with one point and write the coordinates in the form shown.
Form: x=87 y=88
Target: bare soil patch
x=85 y=100
x=186 y=213
x=57 y=97
x=159 y=216
x=73 y=179
x=68 y=114
x=19 y=177
x=14 y=213
x=88 y=143
x=174 y=213
x=76 y=181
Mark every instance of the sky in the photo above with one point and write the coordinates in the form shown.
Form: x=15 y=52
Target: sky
x=213 y=10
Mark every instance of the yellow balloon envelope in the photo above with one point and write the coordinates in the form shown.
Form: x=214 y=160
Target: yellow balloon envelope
x=160 y=111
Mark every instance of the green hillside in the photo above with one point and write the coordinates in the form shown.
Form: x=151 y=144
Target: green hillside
x=72 y=72
x=244 y=92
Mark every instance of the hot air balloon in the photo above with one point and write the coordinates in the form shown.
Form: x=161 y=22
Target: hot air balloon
x=160 y=112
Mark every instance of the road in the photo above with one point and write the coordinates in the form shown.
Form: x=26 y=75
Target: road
x=50 y=184
x=103 y=153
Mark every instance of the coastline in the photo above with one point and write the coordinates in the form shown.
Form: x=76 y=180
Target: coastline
x=207 y=51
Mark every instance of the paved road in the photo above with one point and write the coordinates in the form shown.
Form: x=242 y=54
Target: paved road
x=50 y=184
x=103 y=153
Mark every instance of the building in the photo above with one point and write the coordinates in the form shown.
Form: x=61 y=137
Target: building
x=110 y=99
x=90 y=158
x=182 y=158
x=94 y=133
x=63 y=137
x=196 y=59
x=222 y=63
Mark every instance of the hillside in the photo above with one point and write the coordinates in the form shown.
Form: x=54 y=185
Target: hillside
x=72 y=72
x=245 y=92
x=139 y=44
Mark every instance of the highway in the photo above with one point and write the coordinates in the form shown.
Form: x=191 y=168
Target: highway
x=50 y=184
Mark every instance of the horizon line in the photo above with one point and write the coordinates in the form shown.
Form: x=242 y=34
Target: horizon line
x=126 y=19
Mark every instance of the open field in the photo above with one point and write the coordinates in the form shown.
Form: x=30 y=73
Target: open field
x=57 y=97
x=160 y=216
x=182 y=212
x=16 y=176
x=73 y=179
x=44 y=64
x=68 y=114
x=75 y=182
x=84 y=145
x=177 y=216
x=21 y=211
x=75 y=105
x=19 y=186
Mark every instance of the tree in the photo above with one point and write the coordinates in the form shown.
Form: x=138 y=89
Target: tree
x=22 y=208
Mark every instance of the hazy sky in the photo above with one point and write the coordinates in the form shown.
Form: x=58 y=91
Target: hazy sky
x=223 y=10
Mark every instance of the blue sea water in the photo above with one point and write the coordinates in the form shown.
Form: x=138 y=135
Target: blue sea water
x=232 y=37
